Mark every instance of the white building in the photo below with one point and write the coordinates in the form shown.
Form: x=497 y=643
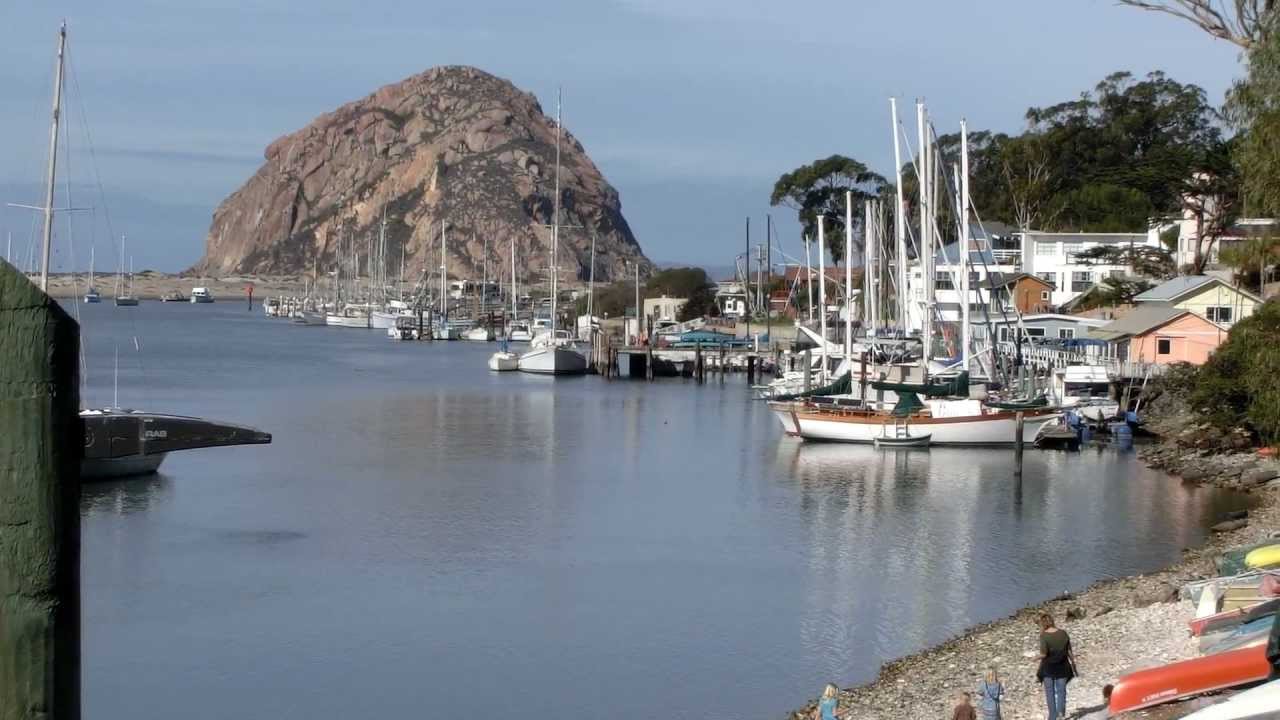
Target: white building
x=1052 y=258
x=664 y=309
x=731 y=298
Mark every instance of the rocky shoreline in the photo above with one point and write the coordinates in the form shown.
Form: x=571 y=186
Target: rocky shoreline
x=1117 y=625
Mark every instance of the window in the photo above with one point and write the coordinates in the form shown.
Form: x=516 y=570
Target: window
x=1081 y=280
x=942 y=280
x=1066 y=333
x=1072 y=248
x=1044 y=295
x=1164 y=346
x=1046 y=249
x=1004 y=334
x=1051 y=278
x=1117 y=274
x=1219 y=314
x=973 y=279
x=1035 y=332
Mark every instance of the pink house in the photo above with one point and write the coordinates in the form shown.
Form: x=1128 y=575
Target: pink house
x=1162 y=334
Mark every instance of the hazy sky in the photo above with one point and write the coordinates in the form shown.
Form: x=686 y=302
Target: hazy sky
x=691 y=108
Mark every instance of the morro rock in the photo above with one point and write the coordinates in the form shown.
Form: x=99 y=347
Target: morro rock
x=452 y=145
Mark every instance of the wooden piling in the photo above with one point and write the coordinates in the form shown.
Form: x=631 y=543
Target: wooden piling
x=699 y=370
x=1017 y=442
x=41 y=443
x=751 y=369
x=808 y=369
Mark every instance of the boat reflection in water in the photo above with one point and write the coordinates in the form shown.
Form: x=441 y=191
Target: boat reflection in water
x=953 y=537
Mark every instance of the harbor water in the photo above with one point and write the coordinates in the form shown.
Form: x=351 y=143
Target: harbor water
x=425 y=538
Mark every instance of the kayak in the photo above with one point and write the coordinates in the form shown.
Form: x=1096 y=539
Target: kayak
x=1258 y=702
x=1231 y=562
x=1254 y=631
x=1233 y=618
x=1158 y=685
x=1263 y=557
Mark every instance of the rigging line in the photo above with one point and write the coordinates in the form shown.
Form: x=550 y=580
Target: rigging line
x=106 y=211
x=71 y=245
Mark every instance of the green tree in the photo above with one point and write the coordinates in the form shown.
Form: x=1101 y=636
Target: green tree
x=1253 y=254
x=1236 y=386
x=1253 y=108
x=818 y=190
x=1146 y=261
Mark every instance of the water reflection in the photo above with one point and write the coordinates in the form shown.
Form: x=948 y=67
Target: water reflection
x=129 y=495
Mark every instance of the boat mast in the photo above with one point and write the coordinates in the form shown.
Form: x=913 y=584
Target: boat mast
x=822 y=291
x=808 y=275
x=926 y=247
x=848 y=277
x=868 y=272
x=591 y=287
x=444 y=282
x=555 y=219
x=513 y=279
x=965 y=233
x=91 y=254
x=53 y=159
x=900 y=222
x=484 y=276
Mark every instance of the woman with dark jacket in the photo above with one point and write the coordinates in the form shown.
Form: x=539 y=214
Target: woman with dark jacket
x=1057 y=666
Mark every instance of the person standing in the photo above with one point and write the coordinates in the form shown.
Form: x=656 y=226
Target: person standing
x=963 y=709
x=828 y=704
x=990 y=693
x=1057 y=666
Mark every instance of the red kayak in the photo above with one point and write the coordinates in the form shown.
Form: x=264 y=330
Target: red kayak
x=1232 y=618
x=1175 y=681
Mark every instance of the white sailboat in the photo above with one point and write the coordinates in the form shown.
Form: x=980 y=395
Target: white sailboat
x=558 y=355
x=124 y=291
x=91 y=294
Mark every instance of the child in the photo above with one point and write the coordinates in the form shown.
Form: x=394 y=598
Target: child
x=964 y=710
x=829 y=704
x=990 y=692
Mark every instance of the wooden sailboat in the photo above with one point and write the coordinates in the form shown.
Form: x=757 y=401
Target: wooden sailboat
x=91 y=294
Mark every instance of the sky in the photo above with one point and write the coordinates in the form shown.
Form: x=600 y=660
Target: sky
x=691 y=108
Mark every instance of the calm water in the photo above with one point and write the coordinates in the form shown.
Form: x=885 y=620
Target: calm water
x=428 y=539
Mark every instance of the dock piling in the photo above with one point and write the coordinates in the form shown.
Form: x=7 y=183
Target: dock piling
x=1017 y=443
x=41 y=443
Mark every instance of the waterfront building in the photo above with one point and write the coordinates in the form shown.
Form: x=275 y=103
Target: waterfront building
x=1161 y=334
x=1209 y=297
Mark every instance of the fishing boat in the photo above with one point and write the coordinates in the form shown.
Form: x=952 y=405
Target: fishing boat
x=1158 y=685
x=201 y=295
x=121 y=443
x=1252 y=704
x=350 y=316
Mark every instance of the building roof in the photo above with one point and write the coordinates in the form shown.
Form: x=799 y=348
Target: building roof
x=1053 y=317
x=1183 y=285
x=999 y=280
x=1037 y=236
x=1140 y=320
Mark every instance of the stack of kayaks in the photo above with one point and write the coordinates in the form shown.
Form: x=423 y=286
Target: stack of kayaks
x=1233 y=562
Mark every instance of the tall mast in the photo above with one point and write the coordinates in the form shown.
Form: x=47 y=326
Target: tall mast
x=591 y=286
x=964 y=242
x=848 y=277
x=822 y=291
x=53 y=159
x=868 y=272
x=513 y=279
x=555 y=219
x=808 y=275
x=926 y=248
x=900 y=222
x=484 y=276
x=444 y=282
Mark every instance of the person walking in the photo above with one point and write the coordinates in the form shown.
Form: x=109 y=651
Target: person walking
x=963 y=709
x=990 y=693
x=1057 y=666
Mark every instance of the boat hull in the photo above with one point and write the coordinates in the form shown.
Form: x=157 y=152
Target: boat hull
x=992 y=428
x=1159 y=685
x=347 y=322
x=126 y=302
x=382 y=320
x=120 y=443
x=504 y=362
x=1252 y=704
x=553 y=361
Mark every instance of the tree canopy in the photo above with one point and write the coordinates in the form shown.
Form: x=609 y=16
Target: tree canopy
x=818 y=190
x=684 y=282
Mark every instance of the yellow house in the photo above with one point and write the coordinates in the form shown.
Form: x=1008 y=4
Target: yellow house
x=1206 y=296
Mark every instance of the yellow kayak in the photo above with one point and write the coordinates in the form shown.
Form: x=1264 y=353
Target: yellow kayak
x=1263 y=557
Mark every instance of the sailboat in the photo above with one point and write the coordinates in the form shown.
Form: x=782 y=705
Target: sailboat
x=120 y=442
x=91 y=294
x=946 y=413
x=124 y=290
x=554 y=353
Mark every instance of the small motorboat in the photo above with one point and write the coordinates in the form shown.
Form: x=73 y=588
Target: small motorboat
x=91 y=296
x=1252 y=704
x=504 y=361
x=201 y=295
x=120 y=443
x=173 y=296
x=1059 y=436
x=908 y=441
x=1159 y=685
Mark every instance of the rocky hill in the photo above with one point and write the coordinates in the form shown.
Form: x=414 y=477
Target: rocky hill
x=452 y=145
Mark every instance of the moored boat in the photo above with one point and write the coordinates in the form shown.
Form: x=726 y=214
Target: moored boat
x=504 y=361
x=553 y=360
x=949 y=422
x=1158 y=685
x=200 y=295
x=122 y=443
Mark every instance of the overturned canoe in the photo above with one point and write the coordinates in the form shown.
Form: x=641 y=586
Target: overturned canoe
x=1263 y=557
x=1158 y=685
